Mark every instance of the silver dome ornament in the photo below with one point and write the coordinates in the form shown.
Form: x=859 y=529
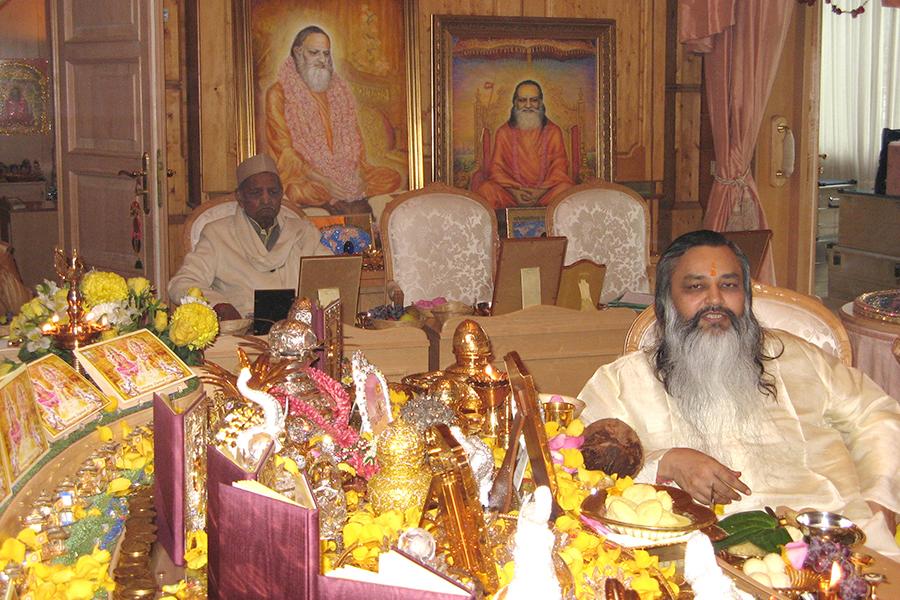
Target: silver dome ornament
x=293 y=338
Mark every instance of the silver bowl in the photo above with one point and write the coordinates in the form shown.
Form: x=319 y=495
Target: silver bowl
x=830 y=526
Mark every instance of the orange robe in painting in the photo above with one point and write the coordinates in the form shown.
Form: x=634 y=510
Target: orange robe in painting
x=529 y=158
x=302 y=184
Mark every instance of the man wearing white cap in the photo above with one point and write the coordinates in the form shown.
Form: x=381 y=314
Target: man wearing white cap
x=258 y=248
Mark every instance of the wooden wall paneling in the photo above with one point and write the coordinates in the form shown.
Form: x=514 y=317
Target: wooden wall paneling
x=681 y=211
x=174 y=35
x=791 y=208
x=218 y=113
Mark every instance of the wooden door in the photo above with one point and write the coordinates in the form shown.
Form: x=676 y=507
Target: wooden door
x=109 y=116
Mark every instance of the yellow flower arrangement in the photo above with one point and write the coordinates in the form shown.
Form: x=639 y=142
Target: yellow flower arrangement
x=99 y=287
x=193 y=325
x=139 y=285
x=195 y=555
x=366 y=535
x=160 y=320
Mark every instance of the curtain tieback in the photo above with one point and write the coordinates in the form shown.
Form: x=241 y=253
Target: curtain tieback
x=740 y=182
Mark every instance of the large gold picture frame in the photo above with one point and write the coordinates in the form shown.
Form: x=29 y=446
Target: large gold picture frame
x=24 y=97
x=479 y=60
x=364 y=49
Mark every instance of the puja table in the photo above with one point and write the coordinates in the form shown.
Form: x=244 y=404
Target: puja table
x=398 y=352
x=873 y=344
x=560 y=347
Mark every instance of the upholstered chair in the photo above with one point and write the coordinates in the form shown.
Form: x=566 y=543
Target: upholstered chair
x=610 y=225
x=775 y=308
x=214 y=210
x=440 y=241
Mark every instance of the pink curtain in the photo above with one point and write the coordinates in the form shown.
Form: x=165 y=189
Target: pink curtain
x=743 y=42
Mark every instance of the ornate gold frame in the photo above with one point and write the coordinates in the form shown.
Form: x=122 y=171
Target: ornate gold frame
x=246 y=134
x=28 y=71
x=445 y=27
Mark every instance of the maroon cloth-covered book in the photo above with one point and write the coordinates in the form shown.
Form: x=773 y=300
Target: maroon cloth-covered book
x=220 y=469
x=169 y=475
x=268 y=548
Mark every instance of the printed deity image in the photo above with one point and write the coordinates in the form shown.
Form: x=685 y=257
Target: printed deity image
x=20 y=426
x=136 y=364
x=63 y=396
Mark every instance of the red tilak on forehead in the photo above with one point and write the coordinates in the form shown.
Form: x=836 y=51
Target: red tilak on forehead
x=712 y=270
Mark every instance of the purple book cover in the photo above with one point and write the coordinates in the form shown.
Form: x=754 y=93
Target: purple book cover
x=168 y=480
x=268 y=548
x=220 y=469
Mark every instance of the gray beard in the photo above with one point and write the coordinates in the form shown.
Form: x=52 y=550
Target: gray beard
x=528 y=120
x=714 y=383
x=317 y=78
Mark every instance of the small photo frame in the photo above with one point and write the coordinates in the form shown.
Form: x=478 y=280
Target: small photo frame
x=372 y=395
x=580 y=285
x=526 y=222
x=327 y=278
x=528 y=273
x=20 y=426
x=64 y=397
x=24 y=97
x=132 y=367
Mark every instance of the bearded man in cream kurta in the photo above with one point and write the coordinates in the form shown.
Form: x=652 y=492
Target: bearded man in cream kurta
x=258 y=248
x=738 y=415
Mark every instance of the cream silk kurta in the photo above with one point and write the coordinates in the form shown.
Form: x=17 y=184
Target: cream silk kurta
x=230 y=261
x=837 y=446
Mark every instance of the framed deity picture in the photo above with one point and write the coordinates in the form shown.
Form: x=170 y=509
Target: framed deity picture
x=523 y=107
x=64 y=397
x=131 y=367
x=24 y=96
x=20 y=426
x=328 y=90
x=526 y=222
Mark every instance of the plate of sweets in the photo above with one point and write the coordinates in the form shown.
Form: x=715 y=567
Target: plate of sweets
x=649 y=512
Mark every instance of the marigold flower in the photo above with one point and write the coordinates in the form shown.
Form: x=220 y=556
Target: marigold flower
x=138 y=285
x=193 y=325
x=99 y=287
x=160 y=320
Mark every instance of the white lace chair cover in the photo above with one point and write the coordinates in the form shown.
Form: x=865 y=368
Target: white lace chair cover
x=213 y=211
x=775 y=308
x=440 y=242
x=608 y=224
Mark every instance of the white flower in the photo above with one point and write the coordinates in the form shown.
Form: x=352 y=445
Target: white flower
x=193 y=300
x=41 y=343
x=118 y=314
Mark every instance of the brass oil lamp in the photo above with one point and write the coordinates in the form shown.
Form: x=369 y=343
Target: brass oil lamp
x=81 y=327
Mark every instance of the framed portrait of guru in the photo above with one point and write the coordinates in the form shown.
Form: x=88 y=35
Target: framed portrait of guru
x=523 y=107
x=328 y=90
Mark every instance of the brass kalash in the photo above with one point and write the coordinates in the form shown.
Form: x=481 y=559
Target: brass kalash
x=81 y=327
x=472 y=372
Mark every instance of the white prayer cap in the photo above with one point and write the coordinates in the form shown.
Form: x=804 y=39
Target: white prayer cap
x=260 y=163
